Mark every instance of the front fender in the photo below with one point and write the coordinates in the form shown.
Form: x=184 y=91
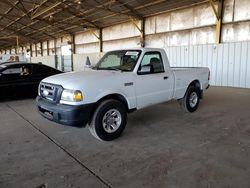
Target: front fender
x=131 y=101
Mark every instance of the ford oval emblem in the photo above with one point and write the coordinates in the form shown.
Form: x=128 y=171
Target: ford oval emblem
x=45 y=92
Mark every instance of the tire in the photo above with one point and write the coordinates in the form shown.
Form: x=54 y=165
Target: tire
x=191 y=100
x=109 y=120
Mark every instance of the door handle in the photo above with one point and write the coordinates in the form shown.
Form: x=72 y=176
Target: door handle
x=165 y=77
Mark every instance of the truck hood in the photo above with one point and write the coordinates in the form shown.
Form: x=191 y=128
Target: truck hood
x=72 y=80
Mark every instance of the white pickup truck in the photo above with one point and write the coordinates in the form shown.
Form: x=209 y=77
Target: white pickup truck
x=122 y=81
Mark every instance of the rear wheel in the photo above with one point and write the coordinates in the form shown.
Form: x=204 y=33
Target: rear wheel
x=191 y=100
x=109 y=120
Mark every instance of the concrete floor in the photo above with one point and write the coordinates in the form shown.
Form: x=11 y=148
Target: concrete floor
x=161 y=147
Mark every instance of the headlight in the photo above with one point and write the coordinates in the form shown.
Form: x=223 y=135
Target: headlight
x=71 y=95
x=39 y=90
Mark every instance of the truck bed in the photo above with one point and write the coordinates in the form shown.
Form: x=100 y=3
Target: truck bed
x=185 y=75
x=187 y=68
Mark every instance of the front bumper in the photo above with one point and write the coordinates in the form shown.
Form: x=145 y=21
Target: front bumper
x=65 y=114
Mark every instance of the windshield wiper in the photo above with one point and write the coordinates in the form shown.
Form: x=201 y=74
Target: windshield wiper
x=110 y=68
x=113 y=68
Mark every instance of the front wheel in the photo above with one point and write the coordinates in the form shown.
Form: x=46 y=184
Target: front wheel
x=109 y=120
x=191 y=100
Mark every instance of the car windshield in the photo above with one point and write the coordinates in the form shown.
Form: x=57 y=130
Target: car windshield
x=123 y=60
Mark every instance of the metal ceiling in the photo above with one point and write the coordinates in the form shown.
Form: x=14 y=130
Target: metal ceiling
x=36 y=20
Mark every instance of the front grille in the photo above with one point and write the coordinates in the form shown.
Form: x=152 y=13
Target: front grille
x=50 y=91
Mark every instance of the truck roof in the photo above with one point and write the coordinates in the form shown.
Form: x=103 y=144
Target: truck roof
x=140 y=48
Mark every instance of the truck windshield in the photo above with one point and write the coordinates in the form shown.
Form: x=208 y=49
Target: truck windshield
x=122 y=60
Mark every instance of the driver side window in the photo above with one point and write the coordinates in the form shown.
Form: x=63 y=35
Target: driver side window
x=154 y=61
x=13 y=70
x=18 y=70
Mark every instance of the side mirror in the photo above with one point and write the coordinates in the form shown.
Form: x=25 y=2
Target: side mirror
x=87 y=63
x=146 y=69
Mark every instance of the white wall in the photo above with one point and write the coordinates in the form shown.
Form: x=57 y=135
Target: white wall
x=195 y=25
x=79 y=60
x=87 y=42
x=46 y=60
x=120 y=36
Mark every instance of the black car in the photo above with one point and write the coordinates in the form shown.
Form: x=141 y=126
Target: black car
x=22 y=79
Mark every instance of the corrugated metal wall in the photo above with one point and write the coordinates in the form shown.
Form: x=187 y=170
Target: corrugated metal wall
x=229 y=63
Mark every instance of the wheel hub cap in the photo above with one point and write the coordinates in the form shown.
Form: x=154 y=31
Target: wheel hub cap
x=111 y=120
x=193 y=99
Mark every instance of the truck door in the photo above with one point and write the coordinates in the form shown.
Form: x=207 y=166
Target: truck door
x=155 y=85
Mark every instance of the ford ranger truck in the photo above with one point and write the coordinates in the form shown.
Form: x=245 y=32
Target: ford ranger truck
x=123 y=81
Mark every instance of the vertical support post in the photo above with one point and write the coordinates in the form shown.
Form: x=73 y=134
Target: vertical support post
x=36 y=49
x=73 y=44
x=47 y=48
x=31 y=51
x=141 y=29
x=17 y=44
x=100 y=40
x=218 y=31
x=219 y=17
x=73 y=50
x=219 y=25
x=55 y=46
x=56 y=59
x=143 y=33
x=99 y=37
x=41 y=47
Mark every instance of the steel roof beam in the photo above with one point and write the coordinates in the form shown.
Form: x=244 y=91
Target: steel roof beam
x=46 y=10
x=36 y=7
x=8 y=11
x=101 y=6
x=80 y=16
x=16 y=31
x=31 y=10
x=48 y=23
x=128 y=14
x=15 y=5
x=136 y=8
x=131 y=9
x=43 y=28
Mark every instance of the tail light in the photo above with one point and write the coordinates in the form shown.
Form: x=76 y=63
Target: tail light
x=209 y=75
